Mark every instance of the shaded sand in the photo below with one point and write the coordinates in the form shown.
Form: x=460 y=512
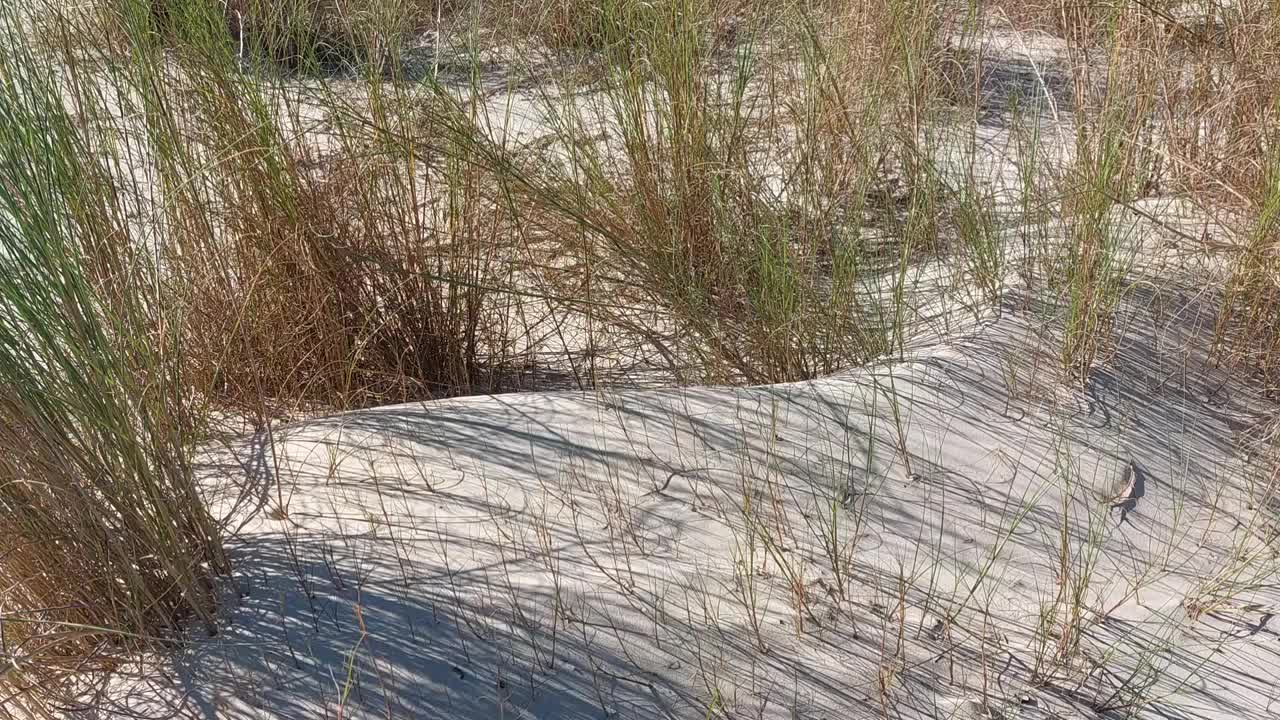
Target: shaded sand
x=764 y=552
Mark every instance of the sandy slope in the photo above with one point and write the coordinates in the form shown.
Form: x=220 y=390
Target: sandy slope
x=526 y=556
x=936 y=537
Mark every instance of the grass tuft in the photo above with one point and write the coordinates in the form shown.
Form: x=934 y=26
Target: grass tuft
x=105 y=540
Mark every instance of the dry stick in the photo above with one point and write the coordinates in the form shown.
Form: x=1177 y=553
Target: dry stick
x=674 y=473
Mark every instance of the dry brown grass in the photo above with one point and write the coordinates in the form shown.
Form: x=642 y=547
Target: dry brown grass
x=1224 y=144
x=370 y=280
x=327 y=252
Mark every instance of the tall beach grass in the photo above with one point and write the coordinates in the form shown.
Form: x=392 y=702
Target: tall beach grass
x=105 y=541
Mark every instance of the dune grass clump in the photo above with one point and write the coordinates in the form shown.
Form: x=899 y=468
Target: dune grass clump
x=1230 y=155
x=1186 y=102
x=320 y=261
x=105 y=539
x=1113 y=166
x=1221 y=95
x=748 y=214
x=722 y=201
x=1249 y=325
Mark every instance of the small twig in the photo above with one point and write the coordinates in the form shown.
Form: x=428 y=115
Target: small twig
x=674 y=473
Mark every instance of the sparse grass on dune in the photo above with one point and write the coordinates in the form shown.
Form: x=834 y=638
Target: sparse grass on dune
x=1217 y=127
x=1220 y=99
x=1250 y=321
x=1235 y=159
x=1111 y=169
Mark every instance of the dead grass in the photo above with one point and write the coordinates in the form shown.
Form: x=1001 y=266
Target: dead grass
x=1206 y=128
x=319 y=261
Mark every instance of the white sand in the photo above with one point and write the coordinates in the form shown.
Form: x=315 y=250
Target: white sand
x=503 y=557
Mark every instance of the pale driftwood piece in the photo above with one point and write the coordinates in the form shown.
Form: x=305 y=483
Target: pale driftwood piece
x=1121 y=490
